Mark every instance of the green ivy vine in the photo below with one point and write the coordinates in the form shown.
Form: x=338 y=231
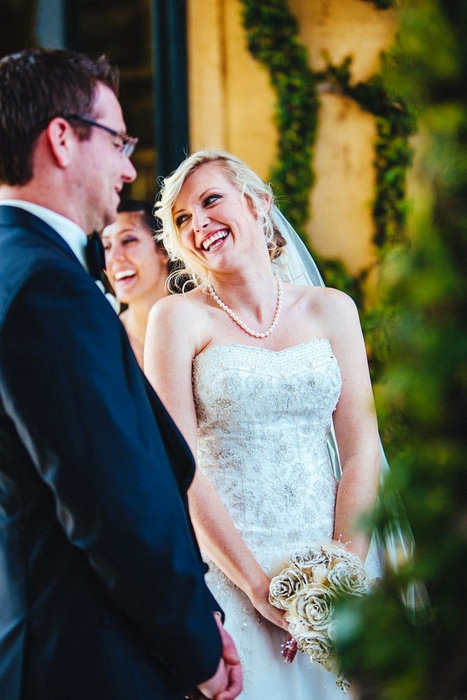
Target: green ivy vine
x=273 y=39
x=272 y=34
x=394 y=125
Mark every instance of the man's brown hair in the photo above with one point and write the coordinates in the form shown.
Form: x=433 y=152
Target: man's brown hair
x=36 y=86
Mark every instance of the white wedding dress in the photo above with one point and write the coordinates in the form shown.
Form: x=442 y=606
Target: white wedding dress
x=263 y=418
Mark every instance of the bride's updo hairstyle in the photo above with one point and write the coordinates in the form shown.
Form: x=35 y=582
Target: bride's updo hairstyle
x=248 y=183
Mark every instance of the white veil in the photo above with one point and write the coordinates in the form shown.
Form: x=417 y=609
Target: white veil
x=395 y=545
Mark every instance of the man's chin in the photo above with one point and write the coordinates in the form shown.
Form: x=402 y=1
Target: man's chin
x=110 y=218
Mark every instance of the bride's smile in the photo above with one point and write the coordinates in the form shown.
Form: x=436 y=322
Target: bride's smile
x=215 y=238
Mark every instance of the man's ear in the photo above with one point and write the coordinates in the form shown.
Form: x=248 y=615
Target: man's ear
x=62 y=140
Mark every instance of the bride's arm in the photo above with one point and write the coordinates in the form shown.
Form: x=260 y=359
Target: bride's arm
x=170 y=347
x=355 y=425
x=220 y=539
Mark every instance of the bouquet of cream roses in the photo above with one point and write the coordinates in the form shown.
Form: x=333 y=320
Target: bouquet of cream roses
x=307 y=589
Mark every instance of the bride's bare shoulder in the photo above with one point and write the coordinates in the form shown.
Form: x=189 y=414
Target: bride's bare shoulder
x=185 y=302
x=328 y=306
x=185 y=308
x=323 y=297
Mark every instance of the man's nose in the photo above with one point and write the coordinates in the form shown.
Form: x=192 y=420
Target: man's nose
x=129 y=174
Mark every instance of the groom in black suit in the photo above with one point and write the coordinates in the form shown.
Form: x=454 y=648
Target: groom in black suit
x=102 y=593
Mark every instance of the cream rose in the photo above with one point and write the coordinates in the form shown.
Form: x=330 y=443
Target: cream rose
x=348 y=579
x=285 y=586
x=309 y=558
x=314 y=607
x=317 y=646
x=339 y=554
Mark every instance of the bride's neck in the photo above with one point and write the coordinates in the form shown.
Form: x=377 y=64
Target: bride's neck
x=246 y=291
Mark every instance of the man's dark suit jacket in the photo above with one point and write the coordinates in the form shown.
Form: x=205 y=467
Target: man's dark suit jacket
x=102 y=593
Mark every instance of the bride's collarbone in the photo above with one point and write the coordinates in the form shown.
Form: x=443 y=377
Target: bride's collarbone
x=296 y=325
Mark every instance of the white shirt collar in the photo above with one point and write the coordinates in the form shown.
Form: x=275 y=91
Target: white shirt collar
x=68 y=230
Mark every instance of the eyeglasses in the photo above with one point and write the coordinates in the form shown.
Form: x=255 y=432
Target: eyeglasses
x=127 y=143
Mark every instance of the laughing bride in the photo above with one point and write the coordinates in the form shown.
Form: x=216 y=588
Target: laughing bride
x=255 y=370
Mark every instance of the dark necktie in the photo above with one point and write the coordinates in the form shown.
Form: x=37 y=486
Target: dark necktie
x=95 y=257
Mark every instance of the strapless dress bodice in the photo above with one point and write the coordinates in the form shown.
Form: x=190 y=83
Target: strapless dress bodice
x=263 y=419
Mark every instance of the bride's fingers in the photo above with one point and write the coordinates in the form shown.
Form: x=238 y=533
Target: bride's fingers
x=273 y=615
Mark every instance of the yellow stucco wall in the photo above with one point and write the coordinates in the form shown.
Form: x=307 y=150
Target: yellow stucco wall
x=230 y=100
x=232 y=106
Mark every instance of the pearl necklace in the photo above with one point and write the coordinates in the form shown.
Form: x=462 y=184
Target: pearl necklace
x=240 y=323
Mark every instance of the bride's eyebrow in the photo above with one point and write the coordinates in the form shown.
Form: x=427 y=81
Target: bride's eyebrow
x=214 y=190
x=199 y=198
x=207 y=191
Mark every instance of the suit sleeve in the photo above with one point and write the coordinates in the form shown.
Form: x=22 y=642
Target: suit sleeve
x=80 y=404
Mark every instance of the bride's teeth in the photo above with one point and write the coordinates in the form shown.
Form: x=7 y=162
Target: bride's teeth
x=212 y=239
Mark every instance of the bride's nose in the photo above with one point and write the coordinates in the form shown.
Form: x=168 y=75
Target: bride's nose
x=200 y=221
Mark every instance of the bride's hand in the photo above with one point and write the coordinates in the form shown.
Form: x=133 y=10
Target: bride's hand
x=272 y=614
x=259 y=598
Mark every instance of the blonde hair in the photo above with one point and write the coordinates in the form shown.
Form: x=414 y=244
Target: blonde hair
x=247 y=182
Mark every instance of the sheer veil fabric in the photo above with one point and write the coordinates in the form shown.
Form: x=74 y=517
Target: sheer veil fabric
x=395 y=546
